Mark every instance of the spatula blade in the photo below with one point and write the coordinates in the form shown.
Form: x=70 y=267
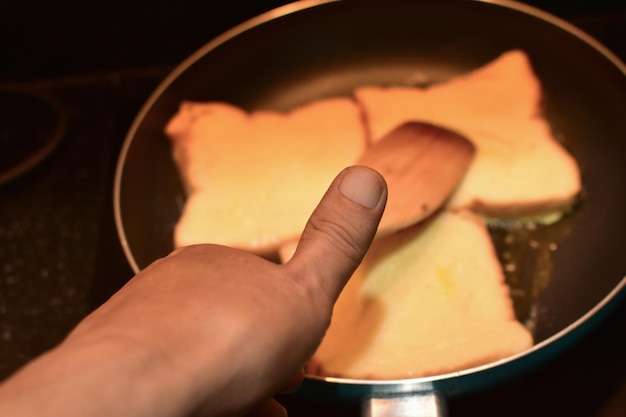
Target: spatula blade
x=422 y=164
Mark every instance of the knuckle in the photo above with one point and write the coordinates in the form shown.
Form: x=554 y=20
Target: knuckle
x=341 y=237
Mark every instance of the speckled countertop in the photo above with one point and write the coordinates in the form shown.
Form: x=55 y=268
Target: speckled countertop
x=60 y=257
x=52 y=218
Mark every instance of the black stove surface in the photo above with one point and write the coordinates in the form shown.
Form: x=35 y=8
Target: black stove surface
x=60 y=256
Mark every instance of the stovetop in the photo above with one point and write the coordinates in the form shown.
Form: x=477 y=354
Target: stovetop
x=59 y=252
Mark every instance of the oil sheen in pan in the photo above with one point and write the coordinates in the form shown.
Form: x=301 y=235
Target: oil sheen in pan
x=525 y=249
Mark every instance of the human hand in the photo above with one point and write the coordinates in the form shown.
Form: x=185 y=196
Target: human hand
x=211 y=330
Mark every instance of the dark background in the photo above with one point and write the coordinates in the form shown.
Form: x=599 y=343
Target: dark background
x=59 y=252
x=66 y=37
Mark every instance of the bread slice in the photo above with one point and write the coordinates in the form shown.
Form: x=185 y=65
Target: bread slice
x=520 y=169
x=253 y=179
x=428 y=300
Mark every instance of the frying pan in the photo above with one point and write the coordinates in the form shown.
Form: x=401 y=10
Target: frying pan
x=313 y=49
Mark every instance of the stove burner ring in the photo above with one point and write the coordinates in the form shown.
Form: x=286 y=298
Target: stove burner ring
x=31 y=127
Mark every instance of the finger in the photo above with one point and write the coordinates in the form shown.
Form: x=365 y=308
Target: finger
x=341 y=229
x=294 y=383
x=268 y=408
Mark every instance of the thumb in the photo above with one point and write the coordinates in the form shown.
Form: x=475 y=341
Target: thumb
x=340 y=230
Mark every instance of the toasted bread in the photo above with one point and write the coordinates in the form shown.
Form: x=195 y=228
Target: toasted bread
x=520 y=168
x=428 y=300
x=253 y=179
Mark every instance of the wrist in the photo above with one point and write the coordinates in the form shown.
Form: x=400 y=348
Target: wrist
x=88 y=375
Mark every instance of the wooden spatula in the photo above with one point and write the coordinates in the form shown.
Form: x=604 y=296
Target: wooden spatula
x=422 y=164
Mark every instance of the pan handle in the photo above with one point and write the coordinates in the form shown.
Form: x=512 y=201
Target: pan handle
x=406 y=404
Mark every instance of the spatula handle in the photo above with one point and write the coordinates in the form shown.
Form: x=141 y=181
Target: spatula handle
x=412 y=404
